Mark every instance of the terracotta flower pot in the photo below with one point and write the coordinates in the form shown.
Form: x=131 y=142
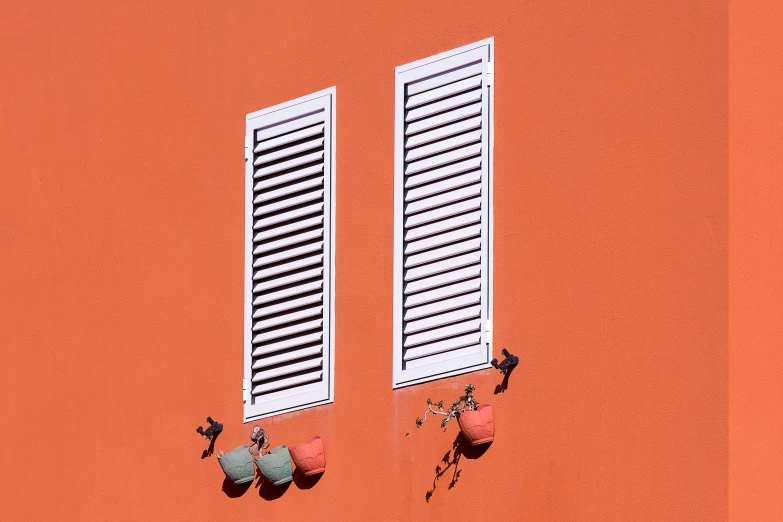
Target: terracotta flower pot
x=275 y=466
x=309 y=456
x=478 y=426
x=238 y=465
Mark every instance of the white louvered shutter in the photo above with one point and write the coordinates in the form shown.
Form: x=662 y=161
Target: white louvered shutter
x=288 y=275
x=442 y=234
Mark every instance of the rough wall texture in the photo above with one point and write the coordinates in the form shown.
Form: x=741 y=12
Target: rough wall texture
x=121 y=229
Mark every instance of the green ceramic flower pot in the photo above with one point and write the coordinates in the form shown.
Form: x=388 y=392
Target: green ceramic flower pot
x=238 y=465
x=275 y=466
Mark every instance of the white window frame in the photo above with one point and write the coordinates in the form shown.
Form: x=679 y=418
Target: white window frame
x=297 y=400
x=402 y=76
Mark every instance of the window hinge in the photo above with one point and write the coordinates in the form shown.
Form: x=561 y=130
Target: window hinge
x=245 y=391
x=489 y=332
x=490 y=73
x=247 y=148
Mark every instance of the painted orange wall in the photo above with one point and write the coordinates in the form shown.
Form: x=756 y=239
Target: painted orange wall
x=121 y=254
x=756 y=261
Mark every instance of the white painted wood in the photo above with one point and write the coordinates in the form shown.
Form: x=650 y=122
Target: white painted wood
x=298 y=264
x=446 y=356
x=473 y=312
x=287 y=356
x=442 y=333
x=287 y=241
x=284 y=179
x=290 y=227
x=443 y=346
x=442 y=226
x=443 y=145
x=446 y=305
x=288 y=330
x=450 y=103
x=289 y=151
x=413 y=247
x=289 y=189
x=287 y=383
x=289 y=138
x=442 y=253
x=287 y=344
x=277 y=129
x=443 y=186
x=289 y=304
x=288 y=369
x=289 y=269
x=442 y=119
x=440 y=214
x=268 y=297
x=442 y=222
x=288 y=318
x=442 y=279
x=279 y=167
x=288 y=203
x=442 y=293
x=288 y=254
x=464 y=71
x=450 y=89
x=286 y=216
x=443 y=132
x=442 y=159
x=443 y=199
x=444 y=265
x=443 y=172
x=293 y=278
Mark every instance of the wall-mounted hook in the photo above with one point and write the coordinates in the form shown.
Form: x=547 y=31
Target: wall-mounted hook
x=212 y=431
x=507 y=363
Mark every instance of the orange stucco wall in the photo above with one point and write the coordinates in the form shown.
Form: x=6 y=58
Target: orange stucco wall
x=121 y=259
x=756 y=261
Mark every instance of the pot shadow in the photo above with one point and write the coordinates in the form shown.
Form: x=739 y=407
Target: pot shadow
x=304 y=482
x=211 y=449
x=268 y=491
x=460 y=448
x=235 y=490
x=503 y=386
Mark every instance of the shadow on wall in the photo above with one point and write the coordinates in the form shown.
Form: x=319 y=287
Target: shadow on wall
x=234 y=490
x=503 y=386
x=460 y=448
x=305 y=482
x=211 y=449
x=268 y=491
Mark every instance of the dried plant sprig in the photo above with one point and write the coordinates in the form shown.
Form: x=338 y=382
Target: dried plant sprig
x=464 y=403
x=260 y=441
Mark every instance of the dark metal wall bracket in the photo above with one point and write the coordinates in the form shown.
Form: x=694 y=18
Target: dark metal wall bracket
x=507 y=363
x=212 y=431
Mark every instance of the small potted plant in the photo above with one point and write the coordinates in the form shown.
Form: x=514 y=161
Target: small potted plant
x=237 y=464
x=309 y=456
x=476 y=422
x=275 y=465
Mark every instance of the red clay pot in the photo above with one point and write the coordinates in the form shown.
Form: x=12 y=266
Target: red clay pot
x=478 y=426
x=309 y=456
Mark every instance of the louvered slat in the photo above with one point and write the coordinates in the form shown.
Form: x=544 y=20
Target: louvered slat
x=289 y=304
x=287 y=356
x=290 y=382
x=287 y=267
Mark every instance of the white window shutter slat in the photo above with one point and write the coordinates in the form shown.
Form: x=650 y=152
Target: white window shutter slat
x=289 y=355
x=442 y=183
